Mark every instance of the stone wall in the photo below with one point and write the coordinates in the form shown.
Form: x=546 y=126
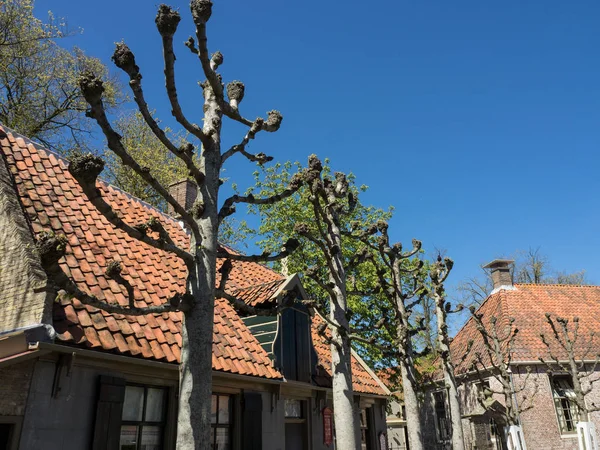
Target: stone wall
x=23 y=298
x=540 y=423
x=14 y=388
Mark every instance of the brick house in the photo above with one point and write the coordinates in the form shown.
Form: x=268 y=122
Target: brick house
x=550 y=424
x=76 y=377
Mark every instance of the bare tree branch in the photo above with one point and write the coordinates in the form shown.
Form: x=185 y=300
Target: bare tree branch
x=92 y=89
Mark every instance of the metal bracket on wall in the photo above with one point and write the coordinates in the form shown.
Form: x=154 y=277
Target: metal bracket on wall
x=65 y=361
x=275 y=395
x=320 y=402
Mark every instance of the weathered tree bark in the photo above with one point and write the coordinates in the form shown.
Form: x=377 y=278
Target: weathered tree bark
x=407 y=365
x=345 y=416
x=439 y=274
x=411 y=401
x=195 y=386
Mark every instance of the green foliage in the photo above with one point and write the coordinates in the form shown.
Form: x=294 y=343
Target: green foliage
x=277 y=224
x=143 y=146
x=39 y=95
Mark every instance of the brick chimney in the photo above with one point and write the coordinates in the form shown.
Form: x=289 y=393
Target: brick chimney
x=185 y=192
x=501 y=276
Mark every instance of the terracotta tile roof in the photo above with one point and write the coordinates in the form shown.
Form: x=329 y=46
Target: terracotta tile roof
x=528 y=305
x=362 y=380
x=260 y=293
x=54 y=201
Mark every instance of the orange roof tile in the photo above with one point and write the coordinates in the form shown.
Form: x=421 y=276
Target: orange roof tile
x=362 y=380
x=259 y=294
x=528 y=304
x=53 y=200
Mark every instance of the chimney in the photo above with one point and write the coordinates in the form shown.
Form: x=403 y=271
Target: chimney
x=185 y=192
x=501 y=276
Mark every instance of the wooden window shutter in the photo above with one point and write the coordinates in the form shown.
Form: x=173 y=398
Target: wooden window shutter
x=302 y=350
x=107 y=430
x=290 y=354
x=252 y=421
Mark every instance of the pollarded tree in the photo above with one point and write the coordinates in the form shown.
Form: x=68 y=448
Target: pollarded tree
x=330 y=199
x=143 y=145
x=204 y=162
x=278 y=221
x=498 y=341
x=438 y=274
x=572 y=354
x=401 y=288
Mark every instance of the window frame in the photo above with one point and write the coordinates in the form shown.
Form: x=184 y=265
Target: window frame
x=163 y=424
x=366 y=425
x=559 y=402
x=228 y=426
x=445 y=437
x=16 y=422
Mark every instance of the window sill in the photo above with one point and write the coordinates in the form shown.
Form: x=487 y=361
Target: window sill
x=569 y=436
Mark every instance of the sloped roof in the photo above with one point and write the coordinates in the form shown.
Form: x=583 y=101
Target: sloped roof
x=53 y=200
x=528 y=304
x=259 y=294
x=363 y=381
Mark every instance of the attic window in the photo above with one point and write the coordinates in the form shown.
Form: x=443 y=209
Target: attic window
x=564 y=403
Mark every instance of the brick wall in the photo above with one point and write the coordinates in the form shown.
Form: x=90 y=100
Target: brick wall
x=14 y=388
x=540 y=424
x=23 y=298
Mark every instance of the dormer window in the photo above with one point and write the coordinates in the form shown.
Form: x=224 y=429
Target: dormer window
x=294 y=356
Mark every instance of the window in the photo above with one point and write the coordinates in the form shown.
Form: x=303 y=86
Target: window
x=296 y=426
x=220 y=419
x=495 y=437
x=441 y=418
x=365 y=433
x=293 y=409
x=143 y=418
x=564 y=403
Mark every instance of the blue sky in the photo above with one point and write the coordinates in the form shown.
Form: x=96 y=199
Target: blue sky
x=479 y=121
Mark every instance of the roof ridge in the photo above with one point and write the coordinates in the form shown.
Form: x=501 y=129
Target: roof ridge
x=558 y=285
x=266 y=283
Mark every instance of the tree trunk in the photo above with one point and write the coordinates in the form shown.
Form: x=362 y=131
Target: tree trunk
x=411 y=401
x=458 y=442
x=347 y=435
x=347 y=428
x=195 y=370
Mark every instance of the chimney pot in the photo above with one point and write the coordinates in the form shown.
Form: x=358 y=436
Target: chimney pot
x=500 y=271
x=185 y=192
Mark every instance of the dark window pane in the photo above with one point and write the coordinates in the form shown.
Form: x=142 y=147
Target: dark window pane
x=151 y=438
x=223 y=409
x=129 y=435
x=293 y=409
x=155 y=405
x=133 y=404
x=222 y=439
x=213 y=409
